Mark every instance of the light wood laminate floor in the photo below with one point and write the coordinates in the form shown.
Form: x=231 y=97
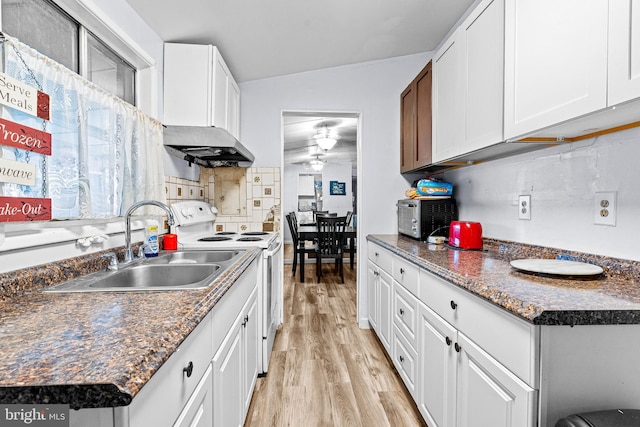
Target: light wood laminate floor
x=324 y=369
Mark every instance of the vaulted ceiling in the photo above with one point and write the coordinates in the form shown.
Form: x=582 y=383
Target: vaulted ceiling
x=267 y=38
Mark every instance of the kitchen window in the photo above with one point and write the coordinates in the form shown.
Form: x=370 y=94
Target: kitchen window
x=106 y=153
x=45 y=27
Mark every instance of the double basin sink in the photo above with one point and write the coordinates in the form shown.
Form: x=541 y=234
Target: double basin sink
x=168 y=271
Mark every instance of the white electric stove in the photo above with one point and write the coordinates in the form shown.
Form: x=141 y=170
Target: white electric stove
x=194 y=226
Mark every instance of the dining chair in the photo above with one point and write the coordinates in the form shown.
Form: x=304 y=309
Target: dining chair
x=300 y=248
x=330 y=242
x=316 y=213
x=347 y=241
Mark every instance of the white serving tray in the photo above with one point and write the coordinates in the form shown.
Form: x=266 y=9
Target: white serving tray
x=556 y=266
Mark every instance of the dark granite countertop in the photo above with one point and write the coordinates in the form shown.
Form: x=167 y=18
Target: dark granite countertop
x=94 y=349
x=607 y=299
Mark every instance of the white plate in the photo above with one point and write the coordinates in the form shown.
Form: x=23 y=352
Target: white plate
x=556 y=266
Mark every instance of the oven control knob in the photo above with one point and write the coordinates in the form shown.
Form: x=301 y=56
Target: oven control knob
x=185 y=212
x=214 y=210
x=192 y=212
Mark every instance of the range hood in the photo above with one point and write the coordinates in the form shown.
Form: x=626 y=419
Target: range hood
x=206 y=146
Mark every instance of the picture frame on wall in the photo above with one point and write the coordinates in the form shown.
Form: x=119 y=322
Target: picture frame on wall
x=337 y=188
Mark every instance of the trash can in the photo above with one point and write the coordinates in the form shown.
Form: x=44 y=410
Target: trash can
x=609 y=418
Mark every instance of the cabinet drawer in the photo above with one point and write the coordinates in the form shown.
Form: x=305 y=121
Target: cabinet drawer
x=407 y=274
x=510 y=340
x=381 y=257
x=164 y=396
x=405 y=313
x=405 y=361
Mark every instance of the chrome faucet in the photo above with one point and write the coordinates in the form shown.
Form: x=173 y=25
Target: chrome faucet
x=128 y=254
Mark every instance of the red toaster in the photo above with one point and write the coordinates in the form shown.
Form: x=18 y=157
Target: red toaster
x=465 y=234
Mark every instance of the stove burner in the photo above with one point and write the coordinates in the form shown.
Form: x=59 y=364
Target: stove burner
x=255 y=233
x=248 y=239
x=214 y=239
x=225 y=233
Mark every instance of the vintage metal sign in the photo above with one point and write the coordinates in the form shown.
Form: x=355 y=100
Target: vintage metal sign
x=13 y=209
x=17 y=172
x=20 y=136
x=22 y=97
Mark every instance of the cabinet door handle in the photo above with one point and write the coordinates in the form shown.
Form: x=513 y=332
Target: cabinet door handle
x=246 y=320
x=453 y=305
x=375 y=273
x=401 y=270
x=188 y=369
x=401 y=359
x=457 y=347
x=376 y=254
x=448 y=340
x=401 y=312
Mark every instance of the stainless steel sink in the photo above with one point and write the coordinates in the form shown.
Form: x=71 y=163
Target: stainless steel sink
x=194 y=257
x=168 y=272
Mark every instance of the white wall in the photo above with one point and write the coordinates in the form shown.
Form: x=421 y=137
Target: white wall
x=562 y=182
x=372 y=89
x=331 y=172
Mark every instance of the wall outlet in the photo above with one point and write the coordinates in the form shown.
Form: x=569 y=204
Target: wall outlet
x=524 y=207
x=605 y=208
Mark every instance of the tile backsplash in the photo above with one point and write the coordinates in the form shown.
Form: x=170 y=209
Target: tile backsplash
x=263 y=198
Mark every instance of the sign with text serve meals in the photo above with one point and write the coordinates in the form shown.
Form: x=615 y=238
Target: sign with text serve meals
x=22 y=97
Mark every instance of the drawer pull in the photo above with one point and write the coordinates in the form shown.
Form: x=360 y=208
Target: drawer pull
x=401 y=359
x=457 y=347
x=448 y=340
x=453 y=305
x=401 y=312
x=188 y=369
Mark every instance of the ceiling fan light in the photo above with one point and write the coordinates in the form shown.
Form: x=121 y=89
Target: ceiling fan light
x=326 y=143
x=316 y=164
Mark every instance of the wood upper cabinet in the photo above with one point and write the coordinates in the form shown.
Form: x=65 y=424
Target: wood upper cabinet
x=415 y=138
x=555 y=62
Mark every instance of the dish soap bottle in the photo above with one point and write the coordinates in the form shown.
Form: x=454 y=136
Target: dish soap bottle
x=151 y=247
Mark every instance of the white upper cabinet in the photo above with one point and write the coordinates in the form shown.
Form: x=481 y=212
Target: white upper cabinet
x=482 y=37
x=555 y=62
x=199 y=90
x=468 y=84
x=447 y=100
x=624 y=51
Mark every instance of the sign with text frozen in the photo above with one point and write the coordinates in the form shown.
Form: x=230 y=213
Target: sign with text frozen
x=22 y=97
x=13 y=209
x=23 y=137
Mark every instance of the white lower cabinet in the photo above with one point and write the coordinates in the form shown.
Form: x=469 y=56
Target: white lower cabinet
x=487 y=393
x=437 y=395
x=379 y=283
x=456 y=354
x=235 y=368
x=198 y=412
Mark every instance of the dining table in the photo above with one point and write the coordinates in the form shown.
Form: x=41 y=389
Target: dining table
x=310 y=233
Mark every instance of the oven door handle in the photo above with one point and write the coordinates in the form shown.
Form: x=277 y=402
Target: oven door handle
x=271 y=252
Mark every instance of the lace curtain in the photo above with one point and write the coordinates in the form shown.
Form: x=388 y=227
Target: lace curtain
x=106 y=153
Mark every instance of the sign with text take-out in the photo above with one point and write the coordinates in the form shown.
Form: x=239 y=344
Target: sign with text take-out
x=14 y=209
x=22 y=97
x=23 y=137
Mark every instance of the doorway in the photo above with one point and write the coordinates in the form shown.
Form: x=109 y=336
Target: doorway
x=315 y=178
